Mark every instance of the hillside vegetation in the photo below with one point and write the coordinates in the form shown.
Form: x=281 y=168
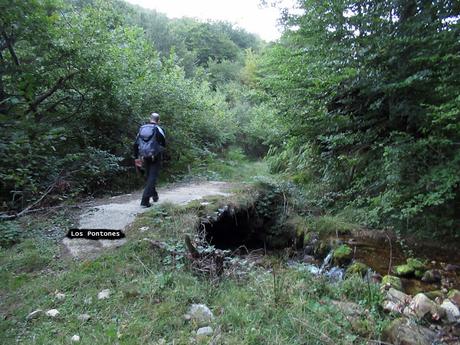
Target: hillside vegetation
x=336 y=150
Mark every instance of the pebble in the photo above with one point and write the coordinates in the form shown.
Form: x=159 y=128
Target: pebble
x=200 y=314
x=204 y=331
x=34 y=314
x=104 y=294
x=75 y=338
x=60 y=296
x=144 y=229
x=84 y=317
x=88 y=300
x=52 y=313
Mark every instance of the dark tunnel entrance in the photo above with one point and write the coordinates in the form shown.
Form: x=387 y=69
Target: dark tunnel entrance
x=232 y=228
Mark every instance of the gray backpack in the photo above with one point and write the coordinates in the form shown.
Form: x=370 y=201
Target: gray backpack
x=148 y=143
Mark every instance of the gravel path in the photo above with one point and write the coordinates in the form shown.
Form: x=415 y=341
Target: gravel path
x=118 y=212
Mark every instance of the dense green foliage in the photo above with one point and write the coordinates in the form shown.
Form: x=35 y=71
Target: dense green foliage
x=368 y=91
x=358 y=101
x=78 y=78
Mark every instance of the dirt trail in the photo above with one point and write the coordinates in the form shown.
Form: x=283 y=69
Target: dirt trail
x=118 y=212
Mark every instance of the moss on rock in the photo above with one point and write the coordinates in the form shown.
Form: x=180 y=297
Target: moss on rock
x=404 y=270
x=357 y=268
x=322 y=249
x=393 y=281
x=342 y=255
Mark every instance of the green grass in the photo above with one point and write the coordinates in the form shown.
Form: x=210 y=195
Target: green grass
x=232 y=166
x=329 y=224
x=151 y=291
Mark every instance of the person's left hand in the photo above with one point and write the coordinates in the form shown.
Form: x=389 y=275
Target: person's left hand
x=138 y=163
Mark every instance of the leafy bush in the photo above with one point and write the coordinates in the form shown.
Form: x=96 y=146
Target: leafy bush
x=10 y=233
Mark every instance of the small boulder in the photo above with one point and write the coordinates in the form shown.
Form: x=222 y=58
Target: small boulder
x=104 y=294
x=452 y=268
x=75 y=338
x=391 y=281
x=200 y=314
x=451 y=310
x=204 y=332
x=52 y=313
x=454 y=296
x=35 y=314
x=308 y=259
x=396 y=301
x=357 y=268
x=422 y=306
x=431 y=276
x=84 y=317
x=402 y=331
x=342 y=255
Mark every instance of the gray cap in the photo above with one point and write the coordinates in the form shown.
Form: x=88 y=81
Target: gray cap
x=154 y=117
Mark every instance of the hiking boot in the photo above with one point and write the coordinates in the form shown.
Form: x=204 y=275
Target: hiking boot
x=146 y=205
x=155 y=198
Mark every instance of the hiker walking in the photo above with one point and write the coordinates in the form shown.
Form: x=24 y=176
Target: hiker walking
x=148 y=148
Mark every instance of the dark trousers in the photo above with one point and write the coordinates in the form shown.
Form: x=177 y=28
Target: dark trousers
x=152 y=168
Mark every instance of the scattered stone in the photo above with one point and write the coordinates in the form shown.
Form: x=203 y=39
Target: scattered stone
x=52 y=313
x=396 y=301
x=84 y=317
x=104 y=294
x=404 y=270
x=342 y=255
x=88 y=300
x=451 y=310
x=434 y=294
x=204 y=331
x=452 y=268
x=34 y=314
x=421 y=306
x=187 y=317
x=391 y=281
x=431 y=276
x=144 y=229
x=60 y=296
x=404 y=332
x=454 y=296
x=75 y=338
x=357 y=268
x=200 y=314
x=308 y=259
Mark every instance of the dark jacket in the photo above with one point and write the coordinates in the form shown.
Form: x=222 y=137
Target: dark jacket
x=160 y=138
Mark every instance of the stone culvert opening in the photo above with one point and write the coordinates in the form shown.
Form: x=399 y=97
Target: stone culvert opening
x=263 y=224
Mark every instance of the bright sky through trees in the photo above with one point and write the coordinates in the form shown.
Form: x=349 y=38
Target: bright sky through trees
x=248 y=14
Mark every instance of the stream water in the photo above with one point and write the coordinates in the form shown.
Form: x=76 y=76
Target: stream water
x=379 y=254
